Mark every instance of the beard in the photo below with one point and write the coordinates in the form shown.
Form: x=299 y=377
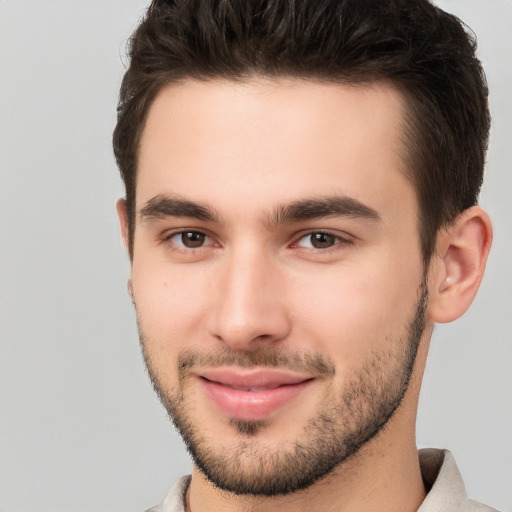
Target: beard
x=344 y=422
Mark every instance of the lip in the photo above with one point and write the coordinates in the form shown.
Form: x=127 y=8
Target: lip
x=251 y=394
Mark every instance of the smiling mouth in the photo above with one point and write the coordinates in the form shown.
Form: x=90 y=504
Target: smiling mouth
x=254 y=394
x=247 y=389
x=254 y=389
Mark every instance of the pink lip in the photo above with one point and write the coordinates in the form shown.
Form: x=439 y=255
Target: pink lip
x=251 y=394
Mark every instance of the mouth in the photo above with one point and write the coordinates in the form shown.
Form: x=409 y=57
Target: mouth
x=253 y=394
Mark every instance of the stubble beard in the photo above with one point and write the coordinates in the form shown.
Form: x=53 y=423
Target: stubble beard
x=341 y=427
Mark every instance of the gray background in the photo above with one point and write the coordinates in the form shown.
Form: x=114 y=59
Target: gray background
x=80 y=428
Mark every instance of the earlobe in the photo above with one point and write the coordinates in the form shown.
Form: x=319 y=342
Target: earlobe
x=458 y=266
x=122 y=214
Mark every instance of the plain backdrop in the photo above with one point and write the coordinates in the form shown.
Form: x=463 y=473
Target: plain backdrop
x=80 y=427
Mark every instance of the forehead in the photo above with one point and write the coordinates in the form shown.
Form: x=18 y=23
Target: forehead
x=263 y=141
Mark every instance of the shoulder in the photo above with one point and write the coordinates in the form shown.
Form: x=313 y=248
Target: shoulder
x=175 y=500
x=446 y=491
x=474 y=506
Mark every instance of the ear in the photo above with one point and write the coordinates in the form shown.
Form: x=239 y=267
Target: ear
x=458 y=266
x=122 y=213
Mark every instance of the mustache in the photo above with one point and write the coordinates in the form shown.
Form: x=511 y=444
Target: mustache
x=269 y=357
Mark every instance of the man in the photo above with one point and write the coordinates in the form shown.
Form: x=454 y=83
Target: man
x=301 y=208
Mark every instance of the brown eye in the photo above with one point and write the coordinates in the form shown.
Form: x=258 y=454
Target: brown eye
x=192 y=239
x=322 y=240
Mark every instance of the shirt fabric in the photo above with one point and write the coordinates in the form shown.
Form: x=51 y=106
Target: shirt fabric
x=446 y=492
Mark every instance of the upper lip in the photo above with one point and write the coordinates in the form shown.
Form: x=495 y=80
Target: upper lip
x=253 y=378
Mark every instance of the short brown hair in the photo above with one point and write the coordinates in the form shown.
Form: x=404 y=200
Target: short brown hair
x=427 y=54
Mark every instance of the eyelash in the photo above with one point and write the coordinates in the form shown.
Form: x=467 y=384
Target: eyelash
x=338 y=241
x=181 y=247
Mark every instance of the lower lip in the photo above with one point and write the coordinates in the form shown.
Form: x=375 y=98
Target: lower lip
x=251 y=405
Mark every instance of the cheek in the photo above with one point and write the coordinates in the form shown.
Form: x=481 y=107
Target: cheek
x=170 y=305
x=357 y=311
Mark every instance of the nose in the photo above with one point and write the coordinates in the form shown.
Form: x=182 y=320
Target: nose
x=249 y=302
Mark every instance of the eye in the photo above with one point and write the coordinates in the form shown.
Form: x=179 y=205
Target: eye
x=319 y=240
x=190 y=239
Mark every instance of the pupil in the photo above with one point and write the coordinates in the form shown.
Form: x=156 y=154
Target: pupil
x=192 y=239
x=322 y=240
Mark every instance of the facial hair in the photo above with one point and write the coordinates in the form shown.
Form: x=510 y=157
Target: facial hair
x=343 y=423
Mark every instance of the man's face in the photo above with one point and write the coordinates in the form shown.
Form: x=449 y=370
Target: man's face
x=277 y=273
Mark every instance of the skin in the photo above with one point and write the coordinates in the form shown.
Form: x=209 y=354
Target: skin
x=245 y=150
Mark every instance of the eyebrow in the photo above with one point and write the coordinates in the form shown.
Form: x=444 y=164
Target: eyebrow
x=334 y=205
x=162 y=206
